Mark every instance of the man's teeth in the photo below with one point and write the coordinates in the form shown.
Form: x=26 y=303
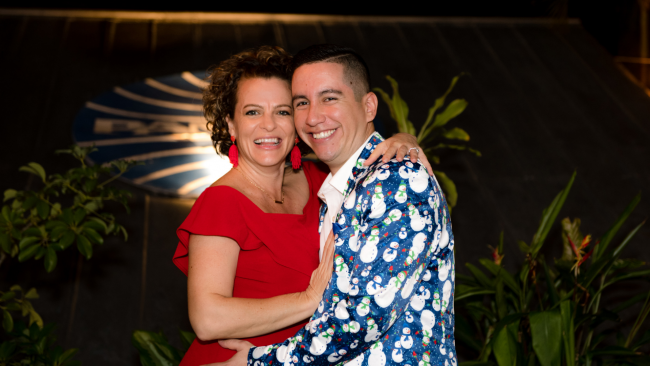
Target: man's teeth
x=324 y=134
x=267 y=141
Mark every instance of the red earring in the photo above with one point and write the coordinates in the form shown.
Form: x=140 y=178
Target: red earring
x=296 y=159
x=233 y=153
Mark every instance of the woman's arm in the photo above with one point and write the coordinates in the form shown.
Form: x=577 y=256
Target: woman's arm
x=215 y=314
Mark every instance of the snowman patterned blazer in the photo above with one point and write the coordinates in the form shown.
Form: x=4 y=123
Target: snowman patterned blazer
x=390 y=300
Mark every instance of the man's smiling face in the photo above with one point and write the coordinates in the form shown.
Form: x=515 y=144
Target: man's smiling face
x=327 y=115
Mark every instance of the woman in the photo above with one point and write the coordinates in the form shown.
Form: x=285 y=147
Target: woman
x=253 y=271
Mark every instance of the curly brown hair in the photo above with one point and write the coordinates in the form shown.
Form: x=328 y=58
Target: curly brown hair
x=220 y=96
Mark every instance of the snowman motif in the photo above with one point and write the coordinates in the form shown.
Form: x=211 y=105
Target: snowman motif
x=409 y=317
x=363 y=308
x=427 y=220
x=386 y=295
x=384 y=172
x=378 y=207
x=364 y=227
x=374 y=286
x=319 y=344
x=313 y=324
x=428 y=320
x=261 y=351
x=377 y=356
x=341 y=220
x=400 y=195
x=369 y=251
x=336 y=356
x=357 y=361
x=418 y=301
x=349 y=202
x=433 y=248
x=364 y=205
x=307 y=359
x=393 y=318
x=343 y=274
x=354 y=327
x=426 y=359
x=443 y=269
x=320 y=307
x=397 y=355
x=427 y=276
x=406 y=170
x=417 y=222
x=341 y=311
x=406 y=340
x=391 y=253
x=366 y=271
x=402 y=233
x=416 y=248
x=372 y=331
x=410 y=283
x=338 y=241
x=355 y=224
x=436 y=300
x=393 y=216
x=444 y=237
x=419 y=180
x=353 y=242
x=443 y=350
x=446 y=294
x=354 y=287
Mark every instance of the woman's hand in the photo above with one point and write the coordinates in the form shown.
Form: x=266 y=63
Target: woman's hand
x=322 y=275
x=240 y=358
x=398 y=146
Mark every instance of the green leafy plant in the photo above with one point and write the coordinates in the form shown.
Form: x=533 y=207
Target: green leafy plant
x=434 y=134
x=17 y=300
x=67 y=209
x=551 y=313
x=155 y=350
x=37 y=224
x=34 y=345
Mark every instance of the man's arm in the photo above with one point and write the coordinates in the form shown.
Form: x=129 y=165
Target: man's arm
x=377 y=268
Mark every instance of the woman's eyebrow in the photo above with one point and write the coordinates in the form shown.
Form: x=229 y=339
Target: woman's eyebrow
x=252 y=105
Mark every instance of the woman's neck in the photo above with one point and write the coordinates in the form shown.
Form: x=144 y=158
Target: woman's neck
x=269 y=178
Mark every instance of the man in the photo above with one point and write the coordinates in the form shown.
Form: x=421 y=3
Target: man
x=390 y=300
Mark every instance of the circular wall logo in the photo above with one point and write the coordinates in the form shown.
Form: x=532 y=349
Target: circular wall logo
x=160 y=123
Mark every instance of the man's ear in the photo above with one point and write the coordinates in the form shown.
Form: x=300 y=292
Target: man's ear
x=370 y=105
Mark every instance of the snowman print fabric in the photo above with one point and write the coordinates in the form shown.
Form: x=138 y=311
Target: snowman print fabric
x=390 y=300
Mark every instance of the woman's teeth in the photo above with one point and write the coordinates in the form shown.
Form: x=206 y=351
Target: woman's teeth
x=324 y=134
x=267 y=141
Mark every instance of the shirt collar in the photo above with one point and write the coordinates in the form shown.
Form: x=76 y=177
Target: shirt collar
x=340 y=179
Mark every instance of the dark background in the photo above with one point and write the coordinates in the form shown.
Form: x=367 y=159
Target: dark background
x=545 y=99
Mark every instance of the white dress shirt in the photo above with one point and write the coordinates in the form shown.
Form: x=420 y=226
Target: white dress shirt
x=331 y=192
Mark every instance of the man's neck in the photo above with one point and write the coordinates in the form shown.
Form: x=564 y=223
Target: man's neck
x=335 y=167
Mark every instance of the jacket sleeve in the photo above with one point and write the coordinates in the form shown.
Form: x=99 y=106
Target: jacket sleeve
x=383 y=247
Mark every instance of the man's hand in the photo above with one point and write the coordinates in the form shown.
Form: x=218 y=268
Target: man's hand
x=398 y=146
x=240 y=358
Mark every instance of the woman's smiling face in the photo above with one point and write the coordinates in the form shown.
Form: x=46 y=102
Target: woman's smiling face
x=262 y=121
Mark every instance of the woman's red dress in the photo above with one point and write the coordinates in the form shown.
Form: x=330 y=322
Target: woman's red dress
x=278 y=253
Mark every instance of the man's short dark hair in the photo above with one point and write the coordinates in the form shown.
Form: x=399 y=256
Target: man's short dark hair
x=355 y=70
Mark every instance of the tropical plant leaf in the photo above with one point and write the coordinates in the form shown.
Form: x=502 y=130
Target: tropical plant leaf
x=498 y=271
x=187 y=338
x=438 y=103
x=480 y=276
x=568 y=335
x=548 y=218
x=456 y=133
x=609 y=235
x=546 y=333
x=505 y=345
